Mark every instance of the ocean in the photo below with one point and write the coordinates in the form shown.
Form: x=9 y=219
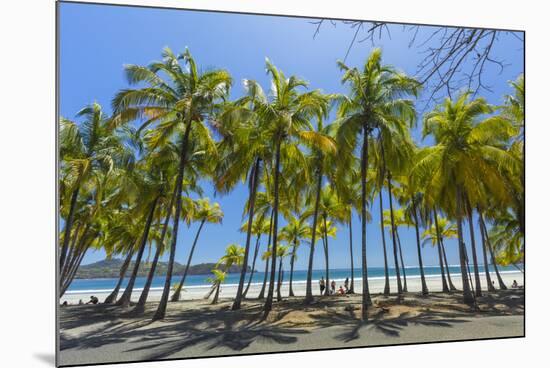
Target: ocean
x=81 y=286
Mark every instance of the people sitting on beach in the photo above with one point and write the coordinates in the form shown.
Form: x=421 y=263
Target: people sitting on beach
x=515 y=285
x=64 y=304
x=80 y=302
x=346 y=285
x=341 y=291
x=322 y=285
x=93 y=300
x=332 y=287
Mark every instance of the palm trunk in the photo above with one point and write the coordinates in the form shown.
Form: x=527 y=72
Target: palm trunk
x=420 y=263
x=280 y=280
x=351 y=289
x=266 y=272
x=73 y=257
x=253 y=185
x=325 y=242
x=269 y=300
x=474 y=253
x=467 y=295
x=394 y=239
x=68 y=227
x=382 y=232
x=450 y=280
x=161 y=310
x=440 y=253
x=177 y=293
x=501 y=283
x=365 y=298
x=72 y=272
x=124 y=300
x=401 y=260
x=112 y=297
x=256 y=250
x=217 y=295
x=292 y=256
x=309 y=292
x=490 y=286
x=145 y=293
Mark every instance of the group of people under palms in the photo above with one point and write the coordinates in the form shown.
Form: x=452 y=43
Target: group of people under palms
x=342 y=289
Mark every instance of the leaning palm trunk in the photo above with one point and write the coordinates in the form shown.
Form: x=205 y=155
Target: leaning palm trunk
x=501 y=283
x=490 y=286
x=474 y=253
x=449 y=279
x=420 y=263
x=309 y=292
x=75 y=265
x=74 y=253
x=266 y=271
x=68 y=227
x=161 y=310
x=292 y=257
x=365 y=297
x=325 y=243
x=124 y=300
x=256 y=250
x=401 y=260
x=382 y=232
x=351 y=289
x=112 y=297
x=466 y=291
x=217 y=294
x=177 y=293
x=145 y=293
x=253 y=185
x=440 y=254
x=269 y=300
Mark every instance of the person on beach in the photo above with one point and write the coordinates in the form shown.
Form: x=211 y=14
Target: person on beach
x=93 y=300
x=341 y=291
x=80 y=302
x=64 y=304
x=332 y=287
x=322 y=285
x=346 y=285
x=515 y=285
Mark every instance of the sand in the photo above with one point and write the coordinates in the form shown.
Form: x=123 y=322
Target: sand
x=196 y=328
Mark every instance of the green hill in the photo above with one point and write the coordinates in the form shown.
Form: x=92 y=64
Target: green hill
x=110 y=268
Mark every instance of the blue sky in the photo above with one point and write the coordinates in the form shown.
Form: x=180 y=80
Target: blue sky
x=96 y=41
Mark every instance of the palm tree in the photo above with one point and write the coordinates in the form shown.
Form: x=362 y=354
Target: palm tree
x=282 y=252
x=85 y=149
x=296 y=230
x=203 y=212
x=234 y=255
x=260 y=226
x=288 y=112
x=372 y=103
x=468 y=154
x=178 y=106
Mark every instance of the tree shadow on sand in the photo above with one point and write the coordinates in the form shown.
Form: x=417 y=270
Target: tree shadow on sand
x=212 y=328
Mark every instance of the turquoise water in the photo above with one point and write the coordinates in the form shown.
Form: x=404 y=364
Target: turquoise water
x=100 y=285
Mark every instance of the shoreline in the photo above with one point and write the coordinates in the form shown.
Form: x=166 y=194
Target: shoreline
x=376 y=285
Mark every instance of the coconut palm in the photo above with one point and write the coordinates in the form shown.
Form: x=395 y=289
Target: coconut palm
x=288 y=112
x=282 y=252
x=294 y=232
x=86 y=148
x=468 y=156
x=376 y=97
x=177 y=102
x=203 y=212
x=234 y=255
